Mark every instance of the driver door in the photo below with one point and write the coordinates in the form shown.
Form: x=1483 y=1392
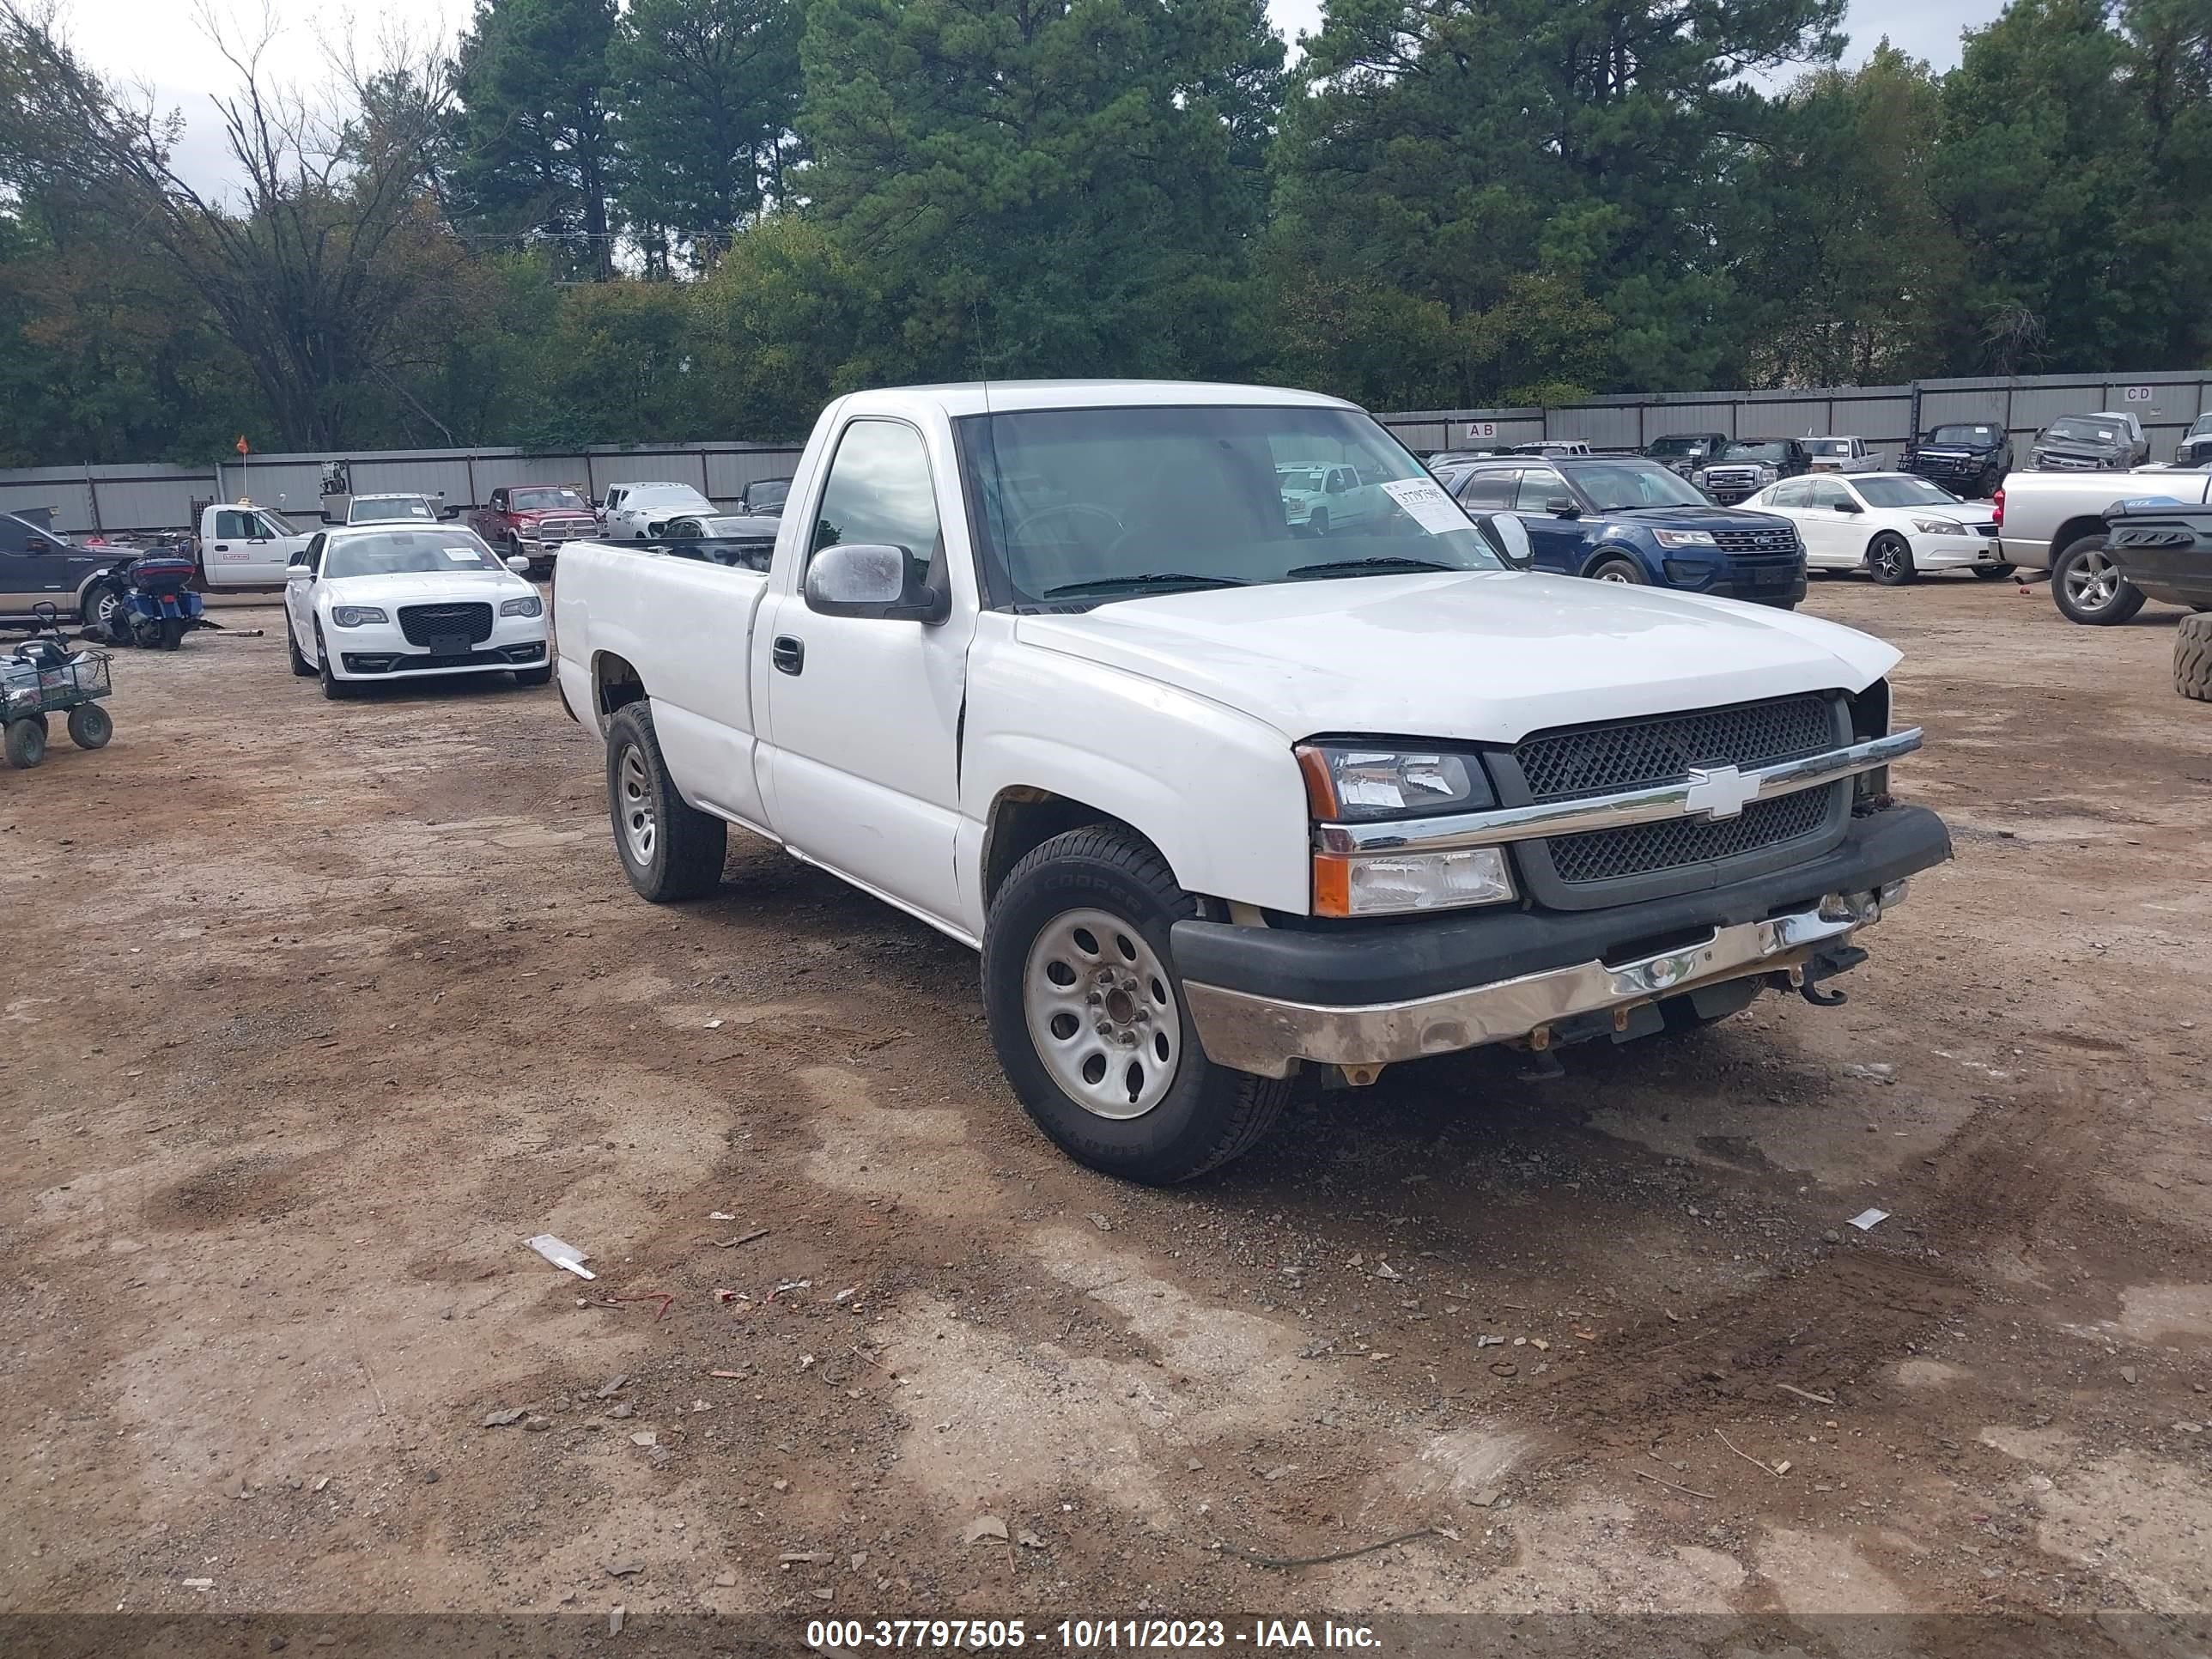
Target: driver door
x=1557 y=542
x=300 y=593
x=1833 y=541
x=863 y=713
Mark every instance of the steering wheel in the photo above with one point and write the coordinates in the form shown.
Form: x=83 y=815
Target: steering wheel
x=1120 y=531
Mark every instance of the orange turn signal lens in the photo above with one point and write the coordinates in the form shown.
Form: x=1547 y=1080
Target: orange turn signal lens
x=1321 y=786
x=1332 y=884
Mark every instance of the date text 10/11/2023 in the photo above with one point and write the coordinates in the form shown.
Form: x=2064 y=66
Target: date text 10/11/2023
x=1086 y=1635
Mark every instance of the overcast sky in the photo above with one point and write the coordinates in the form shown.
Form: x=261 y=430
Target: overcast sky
x=159 y=41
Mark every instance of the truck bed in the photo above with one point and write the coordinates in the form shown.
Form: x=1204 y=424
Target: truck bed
x=681 y=623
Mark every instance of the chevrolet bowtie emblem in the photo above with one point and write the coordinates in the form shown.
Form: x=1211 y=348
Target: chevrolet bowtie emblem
x=1719 y=792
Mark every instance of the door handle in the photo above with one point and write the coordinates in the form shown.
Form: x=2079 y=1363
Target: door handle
x=223 y=547
x=789 y=653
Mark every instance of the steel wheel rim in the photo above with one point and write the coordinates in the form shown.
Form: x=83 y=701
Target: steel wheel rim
x=1101 y=1013
x=2093 y=581
x=634 y=802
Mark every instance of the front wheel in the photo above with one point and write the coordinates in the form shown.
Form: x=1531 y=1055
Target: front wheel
x=27 y=743
x=1624 y=572
x=2087 y=586
x=90 y=726
x=1889 y=560
x=669 y=849
x=334 y=689
x=1087 y=1015
x=1992 y=572
x=1319 y=523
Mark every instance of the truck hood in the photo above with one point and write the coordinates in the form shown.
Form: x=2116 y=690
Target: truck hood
x=1697 y=518
x=1482 y=656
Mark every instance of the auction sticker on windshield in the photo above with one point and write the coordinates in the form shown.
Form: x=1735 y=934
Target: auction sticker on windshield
x=462 y=555
x=1427 y=505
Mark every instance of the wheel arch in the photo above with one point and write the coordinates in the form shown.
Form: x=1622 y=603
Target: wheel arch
x=1653 y=572
x=2090 y=524
x=1023 y=818
x=615 y=682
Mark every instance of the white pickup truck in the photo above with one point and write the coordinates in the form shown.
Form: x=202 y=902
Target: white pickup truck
x=1228 y=809
x=242 y=546
x=2055 y=521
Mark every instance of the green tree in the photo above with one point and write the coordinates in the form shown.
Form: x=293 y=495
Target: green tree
x=1069 y=188
x=534 y=140
x=1840 y=288
x=1451 y=150
x=2072 y=172
x=707 y=92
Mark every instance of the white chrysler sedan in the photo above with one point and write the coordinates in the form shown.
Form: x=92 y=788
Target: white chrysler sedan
x=388 y=601
x=1894 y=525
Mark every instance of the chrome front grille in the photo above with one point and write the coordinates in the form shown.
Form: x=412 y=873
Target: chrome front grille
x=1640 y=849
x=1782 y=539
x=1597 y=760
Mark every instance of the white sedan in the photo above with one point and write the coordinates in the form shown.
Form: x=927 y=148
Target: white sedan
x=642 y=512
x=1894 y=525
x=388 y=601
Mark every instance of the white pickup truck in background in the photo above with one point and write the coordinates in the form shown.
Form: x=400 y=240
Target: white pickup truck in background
x=2055 y=521
x=242 y=546
x=1228 y=808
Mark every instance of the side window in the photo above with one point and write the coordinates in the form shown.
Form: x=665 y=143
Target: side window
x=231 y=525
x=1489 y=490
x=315 y=553
x=1539 y=485
x=1825 y=494
x=880 y=493
x=1793 y=493
x=499 y=501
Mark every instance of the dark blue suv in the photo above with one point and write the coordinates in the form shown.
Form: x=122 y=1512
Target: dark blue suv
x=1623 y=519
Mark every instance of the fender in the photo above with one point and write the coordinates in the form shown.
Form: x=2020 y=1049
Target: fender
x=1611 y=550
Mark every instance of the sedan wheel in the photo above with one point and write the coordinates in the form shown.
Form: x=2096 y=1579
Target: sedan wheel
x=1890 y=560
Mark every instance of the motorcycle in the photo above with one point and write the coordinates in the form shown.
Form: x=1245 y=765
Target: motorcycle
x=153 y=602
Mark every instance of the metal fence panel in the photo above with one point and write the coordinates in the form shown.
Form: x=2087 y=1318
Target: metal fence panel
x=493 y=471
x=2034 y=407
x=1796 y=417
x=70 y=499
x=1600 y=427
x=143 y=504
x=292 y=487
x=1661 y=419
x=1884 y=421
x=729 y=471
x=1986 y=407
x=448 y=478
x=655 y=466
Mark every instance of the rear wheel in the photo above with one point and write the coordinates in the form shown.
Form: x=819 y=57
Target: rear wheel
x=173 y=632
x=103 y=609
x=1889 y=560
x=2087 y=586
x=669 y=849
x=89 y=725
x=1992 y=572
x=1087 y=1017
x=2192 y=658
x=27 y=743
x=1620 y=570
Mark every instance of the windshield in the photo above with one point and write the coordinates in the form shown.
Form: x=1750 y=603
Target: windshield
x=408 y=552
x=2086 y=432
x=1974 y=436
x=1099 y=503
x=664 y=494
x=2202 y=427
x=1623 y=486
x=1299 y=478
x=769 y=492
x=1830 y=446
x=1904 y=491
x=391 y=506
x=1684 y=443
x=547 y=500
x=1754 y=452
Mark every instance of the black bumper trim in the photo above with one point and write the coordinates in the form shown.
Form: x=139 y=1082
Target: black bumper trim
x=1354 y=965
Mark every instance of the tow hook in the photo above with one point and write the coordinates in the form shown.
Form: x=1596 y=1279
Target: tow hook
x=1826 y=964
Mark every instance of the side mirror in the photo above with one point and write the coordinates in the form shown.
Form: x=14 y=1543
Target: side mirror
x=1563 y=506
x=519 y=566
x=1509 y=537
x=1847 y=505
x=449 y=514
x=325 y=518
x=878 y=582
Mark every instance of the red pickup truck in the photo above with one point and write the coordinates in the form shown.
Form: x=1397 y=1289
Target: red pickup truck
x=532 y=521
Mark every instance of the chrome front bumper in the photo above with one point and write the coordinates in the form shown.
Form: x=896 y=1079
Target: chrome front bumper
x=1264 y=1036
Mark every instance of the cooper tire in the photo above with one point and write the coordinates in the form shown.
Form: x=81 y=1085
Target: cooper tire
x=2192 y=658
x=27 y=743
x=2088 y=588
x=1889 y=560
x=1619 y=571
x=1195 y=1118
x=90 y=726
x=669 y=848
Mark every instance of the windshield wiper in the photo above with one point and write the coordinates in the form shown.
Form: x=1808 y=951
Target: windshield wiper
x=1333 y=566
x=1153 y=579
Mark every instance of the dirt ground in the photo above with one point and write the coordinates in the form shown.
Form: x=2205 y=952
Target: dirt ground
x=315 y=1013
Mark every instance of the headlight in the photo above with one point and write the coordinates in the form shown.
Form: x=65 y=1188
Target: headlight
x=1685 y=537
x=1350 y=783
x=528 y=605
x=1767 y=475
x=1939 y=527
x=1390 y=884
x=1698 y=477
x=353 y=616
